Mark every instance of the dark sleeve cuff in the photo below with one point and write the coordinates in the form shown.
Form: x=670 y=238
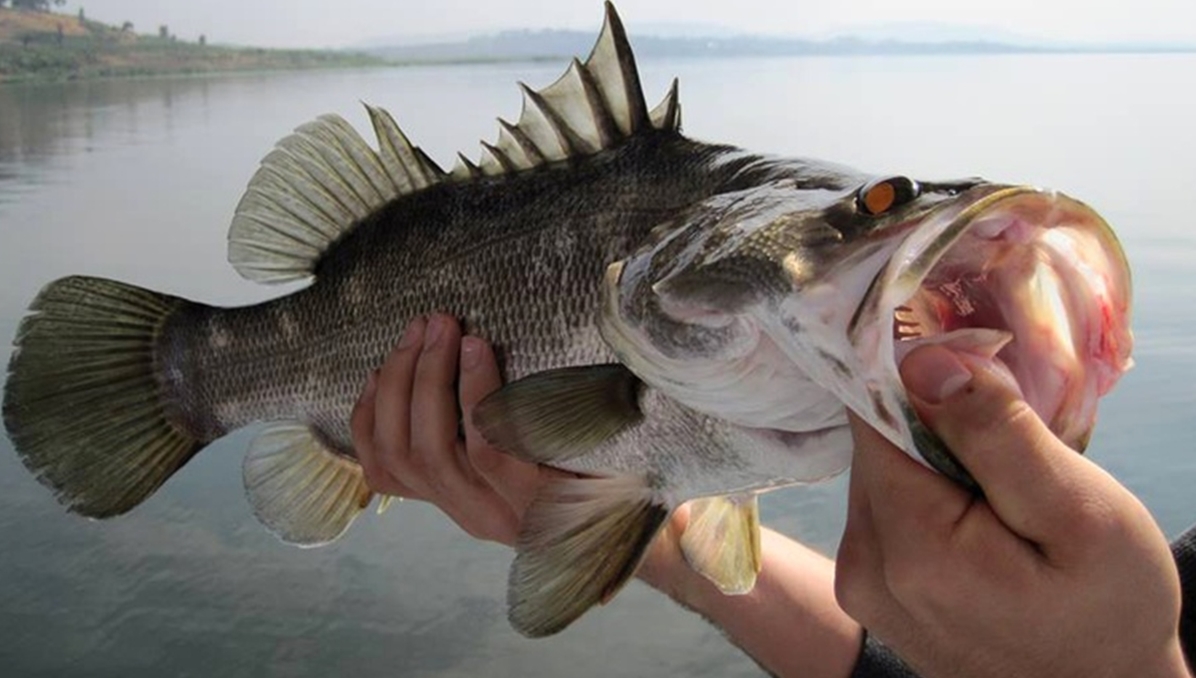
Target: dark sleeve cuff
x=1184 y=550
x=878 y=661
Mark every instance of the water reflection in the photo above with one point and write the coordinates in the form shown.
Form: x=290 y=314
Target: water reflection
x=42 y=121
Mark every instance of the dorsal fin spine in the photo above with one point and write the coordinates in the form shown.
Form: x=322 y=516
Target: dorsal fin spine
x=501 y=163
x=566 y=136
x=667 y=114
x=432 y=172
x=465 y=168
x=530 y=150
x=604 y=123
x=638 y=114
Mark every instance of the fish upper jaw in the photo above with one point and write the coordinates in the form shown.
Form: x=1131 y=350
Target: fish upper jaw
x=1031 y=281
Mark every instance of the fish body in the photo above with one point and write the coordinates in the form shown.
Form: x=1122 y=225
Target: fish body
x=677 y=320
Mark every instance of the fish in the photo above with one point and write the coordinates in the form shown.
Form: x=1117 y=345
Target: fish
x=678 y=322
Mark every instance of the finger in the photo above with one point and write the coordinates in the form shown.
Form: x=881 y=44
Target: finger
x=514 y=480
x=434 y=408
x=392 y=410
x=361 y=427
x=1036 y=485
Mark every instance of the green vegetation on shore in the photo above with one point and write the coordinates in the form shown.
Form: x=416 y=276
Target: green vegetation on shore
x=40 y=45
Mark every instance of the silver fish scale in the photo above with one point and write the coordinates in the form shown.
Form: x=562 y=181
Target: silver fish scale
x=520 y=259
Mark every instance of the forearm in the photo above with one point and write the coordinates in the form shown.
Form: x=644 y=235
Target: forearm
x=789 y=623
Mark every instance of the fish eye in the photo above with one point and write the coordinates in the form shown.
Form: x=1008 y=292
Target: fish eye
x=881 y=195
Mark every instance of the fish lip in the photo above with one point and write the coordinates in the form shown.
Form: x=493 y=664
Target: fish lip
x=921 y=249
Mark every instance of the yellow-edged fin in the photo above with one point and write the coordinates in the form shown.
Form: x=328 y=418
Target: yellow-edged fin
x=722 y=541
x=582 y=540
x=559 y=414
x=301 y=491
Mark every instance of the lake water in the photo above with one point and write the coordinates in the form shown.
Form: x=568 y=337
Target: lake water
x=138 y=181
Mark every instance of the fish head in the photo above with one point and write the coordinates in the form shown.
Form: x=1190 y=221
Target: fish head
x=778 y=305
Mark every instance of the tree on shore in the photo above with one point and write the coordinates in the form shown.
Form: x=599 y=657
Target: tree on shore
x=37 y=5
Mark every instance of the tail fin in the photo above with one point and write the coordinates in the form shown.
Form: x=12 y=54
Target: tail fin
x=82 y=403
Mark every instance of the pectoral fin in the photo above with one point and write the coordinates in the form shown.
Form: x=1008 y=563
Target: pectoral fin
x=582 y=540
x=722 y=541
x=560 y=414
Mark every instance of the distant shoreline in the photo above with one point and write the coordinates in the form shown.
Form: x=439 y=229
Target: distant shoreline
x=538 y=45
x=39 y=46
x=47 y=47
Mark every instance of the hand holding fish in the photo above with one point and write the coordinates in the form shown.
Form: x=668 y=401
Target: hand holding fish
x=1059 y=571
x=405 y=432
x=409 y=447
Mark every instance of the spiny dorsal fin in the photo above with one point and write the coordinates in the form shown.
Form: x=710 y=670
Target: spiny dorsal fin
x=315 y=185
x=324 y=178
x=594 y=106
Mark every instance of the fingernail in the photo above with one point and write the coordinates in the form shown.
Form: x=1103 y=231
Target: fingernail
x=471 y=352
x=413 y=335
x=435 y=331
x=934 y=374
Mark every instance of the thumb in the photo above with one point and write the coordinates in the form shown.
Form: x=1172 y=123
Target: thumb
x=1027 y=474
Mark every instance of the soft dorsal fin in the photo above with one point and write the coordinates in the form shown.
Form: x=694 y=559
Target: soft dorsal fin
x=323 y=179
x=594 y=106
x=316 y=184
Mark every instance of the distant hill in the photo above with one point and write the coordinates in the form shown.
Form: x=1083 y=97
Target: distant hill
x=514 y=45
x=49 y=46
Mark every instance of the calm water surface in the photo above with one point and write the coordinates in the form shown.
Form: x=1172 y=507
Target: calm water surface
x=138 y=181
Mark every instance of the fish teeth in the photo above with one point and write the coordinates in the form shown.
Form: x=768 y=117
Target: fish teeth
x=906 y=325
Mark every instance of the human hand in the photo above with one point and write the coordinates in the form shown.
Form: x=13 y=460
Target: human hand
x=406 y=432
x=1058 y=571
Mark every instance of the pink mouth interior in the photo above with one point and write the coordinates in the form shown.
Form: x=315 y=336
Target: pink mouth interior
x=1039 y=299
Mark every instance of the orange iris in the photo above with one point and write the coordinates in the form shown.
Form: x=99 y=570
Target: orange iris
x=880 y=198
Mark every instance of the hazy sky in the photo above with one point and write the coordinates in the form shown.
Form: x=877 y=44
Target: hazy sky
x=321 y=23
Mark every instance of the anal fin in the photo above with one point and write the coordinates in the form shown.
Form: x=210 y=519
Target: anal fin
x=722 y=541
x=582 y=540
x=303 y=492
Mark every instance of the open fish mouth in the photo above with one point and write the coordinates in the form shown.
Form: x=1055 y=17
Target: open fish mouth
x=1032 y=280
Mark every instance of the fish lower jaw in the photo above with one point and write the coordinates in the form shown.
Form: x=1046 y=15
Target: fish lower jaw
x=1036 y=301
